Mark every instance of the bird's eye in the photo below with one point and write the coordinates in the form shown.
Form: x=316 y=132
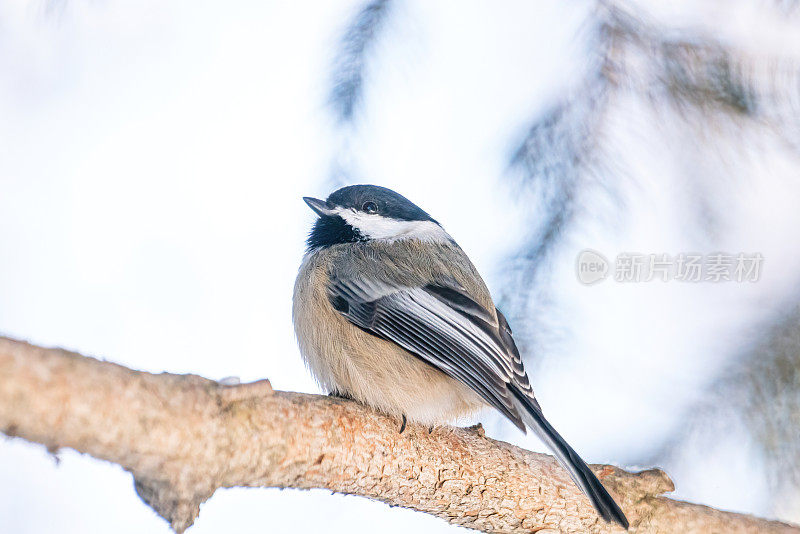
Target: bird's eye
x=369 y=207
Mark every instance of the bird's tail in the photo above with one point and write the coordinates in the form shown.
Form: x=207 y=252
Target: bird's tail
x=569 y=459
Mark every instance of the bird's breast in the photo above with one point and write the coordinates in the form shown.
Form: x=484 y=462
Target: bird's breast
x=347 y=360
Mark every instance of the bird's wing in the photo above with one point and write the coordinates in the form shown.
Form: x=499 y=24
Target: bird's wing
x=442 y=325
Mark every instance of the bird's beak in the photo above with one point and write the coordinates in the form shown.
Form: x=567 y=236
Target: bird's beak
x=320 y=207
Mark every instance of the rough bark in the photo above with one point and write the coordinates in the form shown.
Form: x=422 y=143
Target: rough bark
x=183 y=436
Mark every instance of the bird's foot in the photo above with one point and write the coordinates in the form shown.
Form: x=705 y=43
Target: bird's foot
x=340 y=395
x=403 y=426
x=478 y=429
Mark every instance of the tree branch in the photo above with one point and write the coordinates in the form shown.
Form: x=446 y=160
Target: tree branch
x=183 y=436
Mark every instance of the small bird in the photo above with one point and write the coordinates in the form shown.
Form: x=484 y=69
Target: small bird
x=389 y=311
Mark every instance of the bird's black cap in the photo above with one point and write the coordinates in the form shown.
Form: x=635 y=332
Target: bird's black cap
x=389 y=203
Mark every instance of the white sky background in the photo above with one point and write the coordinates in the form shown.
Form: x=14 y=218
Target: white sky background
x=152 y=160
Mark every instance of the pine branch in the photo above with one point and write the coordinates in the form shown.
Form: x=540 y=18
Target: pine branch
x=184 y=436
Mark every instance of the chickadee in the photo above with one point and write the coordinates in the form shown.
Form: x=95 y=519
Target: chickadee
x=389 y=311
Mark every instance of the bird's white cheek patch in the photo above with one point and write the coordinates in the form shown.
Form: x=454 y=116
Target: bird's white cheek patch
x=378 y=227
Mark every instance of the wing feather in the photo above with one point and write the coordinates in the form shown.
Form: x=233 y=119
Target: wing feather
x=446 y=328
